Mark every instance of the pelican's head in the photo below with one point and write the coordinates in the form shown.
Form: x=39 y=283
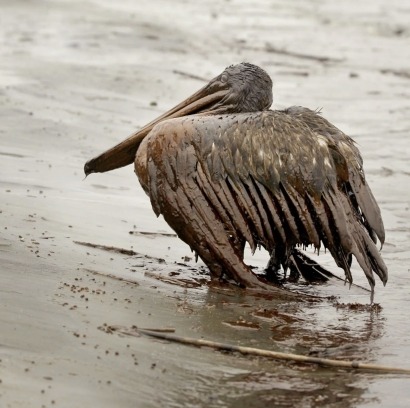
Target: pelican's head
x=240 y=88
x=248 y=89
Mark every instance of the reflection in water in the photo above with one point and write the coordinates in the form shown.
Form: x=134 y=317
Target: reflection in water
x=310 y=328
x=297 y=389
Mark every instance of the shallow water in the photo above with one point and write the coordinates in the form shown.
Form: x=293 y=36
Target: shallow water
x=76 y=77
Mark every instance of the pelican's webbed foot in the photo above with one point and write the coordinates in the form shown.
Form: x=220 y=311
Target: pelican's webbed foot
x=302 y=265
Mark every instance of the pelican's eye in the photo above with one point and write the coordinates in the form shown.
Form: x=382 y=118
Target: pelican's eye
x=224 y=78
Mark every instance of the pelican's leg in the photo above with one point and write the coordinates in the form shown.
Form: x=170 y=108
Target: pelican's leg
x=272 y=268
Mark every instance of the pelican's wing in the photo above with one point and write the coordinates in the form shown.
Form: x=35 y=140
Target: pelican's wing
x=272 y=179
x=357 y=182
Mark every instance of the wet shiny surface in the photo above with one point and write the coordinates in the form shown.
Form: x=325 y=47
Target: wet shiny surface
x=77 y=77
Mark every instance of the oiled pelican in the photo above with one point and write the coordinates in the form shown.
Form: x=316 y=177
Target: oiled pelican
x=223 y=169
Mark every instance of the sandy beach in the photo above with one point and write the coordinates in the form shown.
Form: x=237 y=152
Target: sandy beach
x=80 y=255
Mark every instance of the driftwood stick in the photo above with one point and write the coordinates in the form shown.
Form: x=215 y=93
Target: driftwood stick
x=129 y=252
x=118 y=250
x=274 y=354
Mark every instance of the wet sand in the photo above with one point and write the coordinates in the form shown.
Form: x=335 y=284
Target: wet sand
x=75 y=78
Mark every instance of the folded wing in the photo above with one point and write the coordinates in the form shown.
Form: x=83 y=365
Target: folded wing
x=279 y=179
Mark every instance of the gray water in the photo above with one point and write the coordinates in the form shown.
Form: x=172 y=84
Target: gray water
x=77 y=77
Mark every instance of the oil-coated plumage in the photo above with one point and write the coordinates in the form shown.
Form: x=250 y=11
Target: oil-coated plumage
x=224 y=170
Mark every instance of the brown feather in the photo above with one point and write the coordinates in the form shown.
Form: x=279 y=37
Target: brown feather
x=275 y=182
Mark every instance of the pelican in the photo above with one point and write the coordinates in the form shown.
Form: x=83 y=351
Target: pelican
x=225 y=170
